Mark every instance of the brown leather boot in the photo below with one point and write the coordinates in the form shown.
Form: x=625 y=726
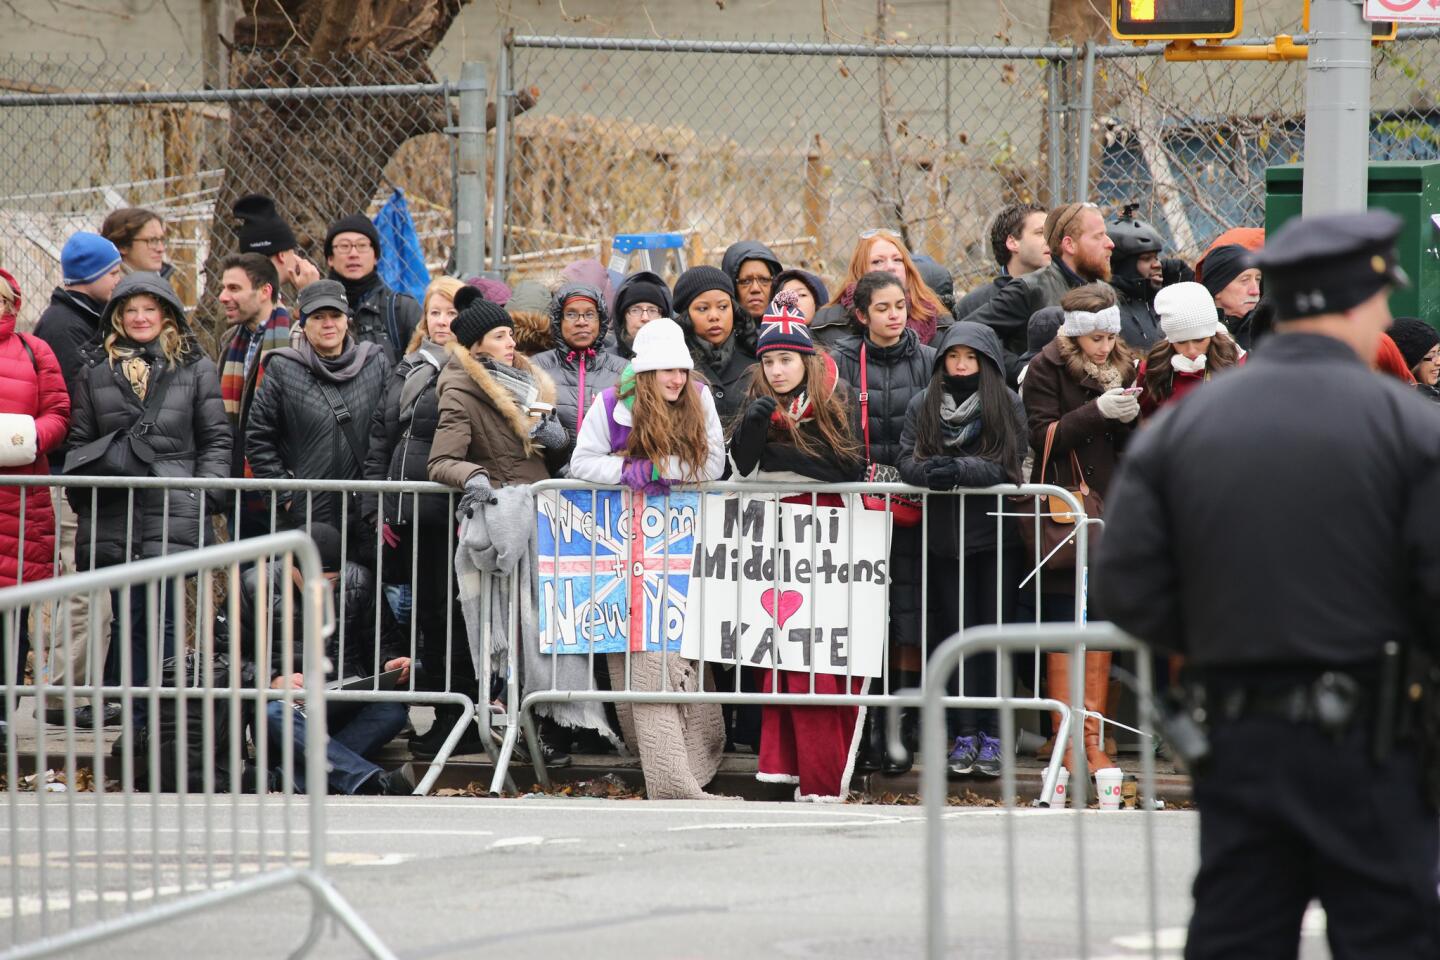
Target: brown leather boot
x=1057 y=687
x=1097 y=690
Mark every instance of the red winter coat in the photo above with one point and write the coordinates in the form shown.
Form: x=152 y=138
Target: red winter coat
x=35 y=388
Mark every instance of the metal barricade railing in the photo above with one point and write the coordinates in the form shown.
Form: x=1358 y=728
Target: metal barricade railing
x=250 y=507
x=622 y=566
x=1074 y=640
x=171 y=858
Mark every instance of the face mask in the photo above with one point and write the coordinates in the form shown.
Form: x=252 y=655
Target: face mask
x=1182 y=365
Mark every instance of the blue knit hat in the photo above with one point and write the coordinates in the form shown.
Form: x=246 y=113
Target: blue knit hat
x=784 y=327
x=85 y=258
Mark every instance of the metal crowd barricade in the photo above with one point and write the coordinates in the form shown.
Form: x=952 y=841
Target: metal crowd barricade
x=526 y=693
x=92 y=857
x=235 y=502
x=1072 y=639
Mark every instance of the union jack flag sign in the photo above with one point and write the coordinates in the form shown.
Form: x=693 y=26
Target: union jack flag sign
x=608 y=583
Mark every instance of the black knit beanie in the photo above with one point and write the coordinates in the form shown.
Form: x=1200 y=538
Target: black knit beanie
x=640 y=292
x=1222 y=265
x=698 y=280
x=354 y=223
x=262 y=229
x=477 y=317
x=1414 y=337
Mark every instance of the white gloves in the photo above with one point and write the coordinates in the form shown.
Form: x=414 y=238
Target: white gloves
x=1116 y=404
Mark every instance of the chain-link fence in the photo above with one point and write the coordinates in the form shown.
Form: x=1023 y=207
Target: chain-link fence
x=800 y=145
x=81 y=137
x=805 y=145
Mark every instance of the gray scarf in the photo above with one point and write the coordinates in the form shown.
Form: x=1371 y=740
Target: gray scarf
x=519 y=384
x=959 y=423
x=421 y=376
x=716 y=358
x=341 y=369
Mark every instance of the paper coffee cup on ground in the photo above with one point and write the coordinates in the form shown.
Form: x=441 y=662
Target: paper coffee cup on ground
x=1109 y=783
x=1061 y=793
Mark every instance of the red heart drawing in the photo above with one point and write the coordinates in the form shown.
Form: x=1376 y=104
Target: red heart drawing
x=789 y=602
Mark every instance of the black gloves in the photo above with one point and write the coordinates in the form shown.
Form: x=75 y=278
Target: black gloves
x=942 y=473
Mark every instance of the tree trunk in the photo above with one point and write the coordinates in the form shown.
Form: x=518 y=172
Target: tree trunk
x=1075 y=22
x=321 y=159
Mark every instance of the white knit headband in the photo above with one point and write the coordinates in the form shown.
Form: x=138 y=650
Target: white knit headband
x=1078 y=323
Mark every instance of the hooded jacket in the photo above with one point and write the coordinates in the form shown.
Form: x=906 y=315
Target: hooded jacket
x=401 y=432
x=481 y=429
x=69 y=324
x=31 y=385
x=981 y=529
x=834 y=322
x=622 y=341
x=295 y=432
x=191 y=437
x=1139 y=323
x=579 y=376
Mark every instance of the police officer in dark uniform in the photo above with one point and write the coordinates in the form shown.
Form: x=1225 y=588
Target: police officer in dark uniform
x=1281 y=530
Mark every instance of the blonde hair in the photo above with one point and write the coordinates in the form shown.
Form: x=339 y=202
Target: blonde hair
x=445 y=287
x=172 y=341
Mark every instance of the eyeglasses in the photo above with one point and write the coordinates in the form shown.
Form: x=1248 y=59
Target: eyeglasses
x=345 y=246
x=155 y=243
x=875 y=232
x=758 y=283
x=576 y=317
x=643 y=311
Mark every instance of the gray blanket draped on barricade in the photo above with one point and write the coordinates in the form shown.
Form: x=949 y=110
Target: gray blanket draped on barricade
x=499 y=539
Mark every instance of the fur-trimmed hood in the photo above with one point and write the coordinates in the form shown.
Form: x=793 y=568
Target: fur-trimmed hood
x=1073 y=360
x=479 y=383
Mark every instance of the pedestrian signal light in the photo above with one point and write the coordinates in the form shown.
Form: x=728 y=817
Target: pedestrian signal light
x=1175 y=19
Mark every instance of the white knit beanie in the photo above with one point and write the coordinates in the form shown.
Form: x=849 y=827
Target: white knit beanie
x=1187 y=312
x=660 y=345
x=1079 y=323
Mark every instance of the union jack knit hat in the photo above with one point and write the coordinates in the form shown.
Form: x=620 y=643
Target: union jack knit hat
x=784 y=327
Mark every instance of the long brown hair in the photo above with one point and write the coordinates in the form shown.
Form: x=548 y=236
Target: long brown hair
x=1160 y=376
x=923 y=300
x=663 y=429
x=831 y=420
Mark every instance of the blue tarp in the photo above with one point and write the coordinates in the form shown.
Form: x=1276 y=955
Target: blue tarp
x=402 y=262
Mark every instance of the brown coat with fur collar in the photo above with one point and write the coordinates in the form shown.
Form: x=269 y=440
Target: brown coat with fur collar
x=1058 y=388
x=482 y=428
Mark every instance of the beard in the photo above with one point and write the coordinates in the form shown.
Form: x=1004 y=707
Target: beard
x=1093 y=266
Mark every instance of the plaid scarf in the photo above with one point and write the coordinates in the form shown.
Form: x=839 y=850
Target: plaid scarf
x=244 y=351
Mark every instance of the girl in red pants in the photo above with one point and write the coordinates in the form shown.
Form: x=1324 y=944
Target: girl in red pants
x=794 y=426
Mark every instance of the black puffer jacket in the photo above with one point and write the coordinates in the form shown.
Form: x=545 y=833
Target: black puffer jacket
x=982 y=529
x=893 y=376
x=564 y=365
x=191 y=438
x=727 y=368
x=400 y=435
x=295 y=433
x=69 y=324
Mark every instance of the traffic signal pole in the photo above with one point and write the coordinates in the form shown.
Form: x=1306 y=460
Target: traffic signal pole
x=1337 y=108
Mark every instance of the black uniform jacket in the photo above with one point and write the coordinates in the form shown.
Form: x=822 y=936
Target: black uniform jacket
x=1289 y=513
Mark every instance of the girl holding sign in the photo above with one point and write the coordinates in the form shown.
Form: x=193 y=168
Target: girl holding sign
x=658 y=427
x=796 y=426
x=968 y=430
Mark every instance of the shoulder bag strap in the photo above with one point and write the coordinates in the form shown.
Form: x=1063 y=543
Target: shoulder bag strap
x=154 y=396
x=342 y=416
x=1079 y=475
x=865 y=403
x=1049 y=443
x=29 y=350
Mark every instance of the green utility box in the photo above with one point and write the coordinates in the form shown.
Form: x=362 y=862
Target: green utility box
x=1407 y=188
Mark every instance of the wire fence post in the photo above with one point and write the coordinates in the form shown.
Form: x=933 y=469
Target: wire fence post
x=503 y=97
x=1087 y=119
x=470 y=174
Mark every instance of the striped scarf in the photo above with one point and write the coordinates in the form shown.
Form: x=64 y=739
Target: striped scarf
x=244 y=351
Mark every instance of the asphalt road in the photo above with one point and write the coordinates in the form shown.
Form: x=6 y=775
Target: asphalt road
x=458 y=877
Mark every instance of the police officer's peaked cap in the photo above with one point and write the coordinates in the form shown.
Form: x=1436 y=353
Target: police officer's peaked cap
x=1328 y=264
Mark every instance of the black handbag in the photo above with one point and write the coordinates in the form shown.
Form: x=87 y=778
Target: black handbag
x=120 y=453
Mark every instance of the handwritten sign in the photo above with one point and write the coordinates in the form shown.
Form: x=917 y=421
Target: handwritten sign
x=596 y=566
x=779 y=584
